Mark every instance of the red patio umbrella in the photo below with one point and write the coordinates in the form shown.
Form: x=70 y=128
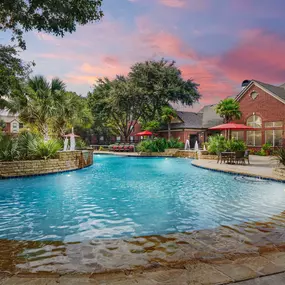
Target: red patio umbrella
x=231 y=126
x=144 y=134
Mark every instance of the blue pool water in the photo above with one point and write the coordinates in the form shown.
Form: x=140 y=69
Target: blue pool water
x=122 y=197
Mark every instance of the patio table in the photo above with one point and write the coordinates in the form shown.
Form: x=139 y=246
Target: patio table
x=227 y=157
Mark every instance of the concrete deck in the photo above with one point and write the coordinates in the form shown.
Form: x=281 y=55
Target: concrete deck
x=260 y=166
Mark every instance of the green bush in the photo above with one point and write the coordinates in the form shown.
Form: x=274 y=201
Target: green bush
x=217 y=144
x=25 y=139
x=280 y=153
x=27 y=146
x=80 y=143
x=174 y=143
x=8 y=148
x=235 y=145
x=40 y=149
x=155 y=145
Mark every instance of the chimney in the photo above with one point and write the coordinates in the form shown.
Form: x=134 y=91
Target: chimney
x=245 y=83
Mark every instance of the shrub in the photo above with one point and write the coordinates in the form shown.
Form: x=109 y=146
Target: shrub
x=80 y=143
x=266 y=149
x=40 y=149
x=155 y=145
x=24 y=140
x=217 y=144
x=174 y=143
x=8 y=148
x=235 y=145
x=281 y=156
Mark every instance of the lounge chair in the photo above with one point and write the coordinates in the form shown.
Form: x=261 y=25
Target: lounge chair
x=121 y=147
x=126 y=147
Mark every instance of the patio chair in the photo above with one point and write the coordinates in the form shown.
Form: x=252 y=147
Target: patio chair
x=115 y=147
x=131 y=147
x=240 y=157
x=246 y=156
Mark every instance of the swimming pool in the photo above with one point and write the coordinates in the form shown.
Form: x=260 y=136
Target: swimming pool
x=131 y=196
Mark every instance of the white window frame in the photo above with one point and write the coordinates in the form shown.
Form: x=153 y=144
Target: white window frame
x=254 y=137
x=273 y=143
x=254 y=116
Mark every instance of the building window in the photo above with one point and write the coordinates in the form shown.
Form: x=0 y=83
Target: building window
x=274 y=137
x=14 y=127
x=253 y=95
x=238 y=135
x=131 y=138
x=21 y=125
x=254 y=121
x=101 y=138
x=253 y=138
x=118 y=139
x=278 y=124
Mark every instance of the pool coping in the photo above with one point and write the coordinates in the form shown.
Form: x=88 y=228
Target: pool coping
x=238 y=173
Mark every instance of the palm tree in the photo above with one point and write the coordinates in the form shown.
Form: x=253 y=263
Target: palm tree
x=72 y=112
x=228 y=109
x=40 y=102
x=168 y=114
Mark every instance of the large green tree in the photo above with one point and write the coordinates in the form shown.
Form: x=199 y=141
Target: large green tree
x=13 y=72
x=228 y=109
x=162 y=83
x=52 y=16
x=119 y=103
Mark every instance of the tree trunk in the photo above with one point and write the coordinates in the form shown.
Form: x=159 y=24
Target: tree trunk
x=45 y=132
x=169 y=130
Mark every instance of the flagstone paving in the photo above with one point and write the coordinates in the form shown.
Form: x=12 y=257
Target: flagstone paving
x=259 y=166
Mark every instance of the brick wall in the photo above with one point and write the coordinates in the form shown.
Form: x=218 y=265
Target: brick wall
x=66 y=160
x=265 y=106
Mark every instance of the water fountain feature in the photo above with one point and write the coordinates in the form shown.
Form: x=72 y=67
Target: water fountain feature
x=196 y=147
x=187 y=145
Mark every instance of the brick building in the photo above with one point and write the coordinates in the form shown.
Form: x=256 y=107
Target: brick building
x=263 y=108
x=12 y=124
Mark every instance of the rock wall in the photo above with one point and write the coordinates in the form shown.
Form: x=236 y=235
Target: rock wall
x=66 y=160
x=186 y=153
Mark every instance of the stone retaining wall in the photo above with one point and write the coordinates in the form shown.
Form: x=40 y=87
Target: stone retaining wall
x=208 y=156
x=186 y=153
x=66 y=160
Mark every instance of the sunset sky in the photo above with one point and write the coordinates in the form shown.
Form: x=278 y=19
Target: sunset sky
x=217 y=43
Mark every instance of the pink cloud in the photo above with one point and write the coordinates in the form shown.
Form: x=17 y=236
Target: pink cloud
x=191 y=4
x=259 y=56
x=174 y=3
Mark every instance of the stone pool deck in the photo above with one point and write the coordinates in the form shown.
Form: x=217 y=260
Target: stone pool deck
x=259 y=167
x=219 y=256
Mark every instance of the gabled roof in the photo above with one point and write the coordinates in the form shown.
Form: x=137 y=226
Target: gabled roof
x=190 y=120
x=278 y=92
x=210 y=117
